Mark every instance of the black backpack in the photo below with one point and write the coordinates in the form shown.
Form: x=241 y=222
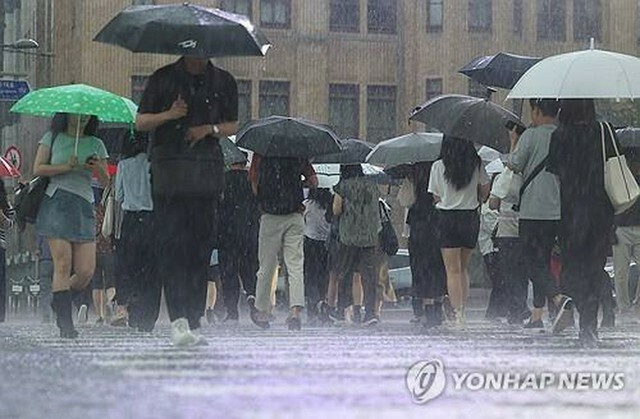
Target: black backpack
x=280 y=185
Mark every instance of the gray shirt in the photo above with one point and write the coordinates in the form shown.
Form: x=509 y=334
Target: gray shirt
x=78 y=181
x=360 y=219
x=133 y=184
x=541 y=199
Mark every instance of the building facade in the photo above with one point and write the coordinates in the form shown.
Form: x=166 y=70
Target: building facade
x=359 y=65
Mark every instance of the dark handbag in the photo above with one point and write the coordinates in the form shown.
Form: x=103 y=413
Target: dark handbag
x=388 y=237
x=28 y=197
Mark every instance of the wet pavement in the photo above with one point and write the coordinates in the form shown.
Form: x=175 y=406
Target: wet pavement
x=338 y=372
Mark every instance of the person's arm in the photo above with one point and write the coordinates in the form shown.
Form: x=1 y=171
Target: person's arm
x=494 y=203
x=337 y=205
x=199 y=132
x=519 y=153
x=150 y=121
x=42 y=167
x=253 y=172
x=484 y=185
x=99 y=168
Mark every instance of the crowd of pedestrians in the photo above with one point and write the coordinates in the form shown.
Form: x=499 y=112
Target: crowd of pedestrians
x=177 y=216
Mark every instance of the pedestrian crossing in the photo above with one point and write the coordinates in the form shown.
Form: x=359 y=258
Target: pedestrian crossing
x=353 y=370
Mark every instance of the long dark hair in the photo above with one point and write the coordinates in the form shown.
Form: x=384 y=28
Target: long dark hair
x=577 y=111
x=60 y=123
x=460 y=160
x=421 y=172
x=350 y=170
x=322 y=196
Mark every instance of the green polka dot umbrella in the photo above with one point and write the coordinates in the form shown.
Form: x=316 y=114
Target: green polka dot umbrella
x=77 y=99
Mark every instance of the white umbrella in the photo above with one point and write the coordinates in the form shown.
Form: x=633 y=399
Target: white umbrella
x=494 y=167
x=488 y=154
x=329 y=173
x=590 y=74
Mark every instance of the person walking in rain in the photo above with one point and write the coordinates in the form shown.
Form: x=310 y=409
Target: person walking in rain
x=459 y=184
x=277 y=182
x=539 y=210
x=66 y=217
x=576 y=157
x=187 y=106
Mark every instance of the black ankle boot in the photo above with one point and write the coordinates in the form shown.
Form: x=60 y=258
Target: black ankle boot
x=61 y=305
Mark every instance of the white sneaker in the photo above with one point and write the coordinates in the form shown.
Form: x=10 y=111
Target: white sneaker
x=83 y=314
x=200 y=339
x=181 y=335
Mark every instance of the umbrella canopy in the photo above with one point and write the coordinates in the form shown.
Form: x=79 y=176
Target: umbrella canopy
x=281 y=136
x=488 y=154
x=407 y=149
x=77 y=99
x=590 y=74
x=7 y=169
x=494 y=167
x=477 y=120
x=500 y=70
x=184 y=29
x=231 y=153
x=353 y=152
x=329 y=173
x=629 y=137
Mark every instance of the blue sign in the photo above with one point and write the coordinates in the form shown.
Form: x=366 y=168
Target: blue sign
x=13 y=90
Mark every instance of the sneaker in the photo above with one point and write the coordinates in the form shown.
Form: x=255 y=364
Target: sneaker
x=348 y=315
x=181 y=335
x=99 y=321
x=564 y=318
x=251 y=302
x=535 y=324
x=371 y=320
x=459 y=322
x=293 y=323
x=83 y=314
x=336 y=315
x=260 y=319
x=200 y=339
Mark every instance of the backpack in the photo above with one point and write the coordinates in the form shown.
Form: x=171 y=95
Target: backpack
x=280 y=185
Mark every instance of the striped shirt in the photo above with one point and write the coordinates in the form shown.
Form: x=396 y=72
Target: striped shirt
x=7 y=222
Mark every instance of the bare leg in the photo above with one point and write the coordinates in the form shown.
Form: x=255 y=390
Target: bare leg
x=453 y=265
x=110 y=294
x=212 y=294
x=98 y=303
x=61 y=253
x=84 y=264
x=332 y=289
x=465 y=260
x=358 y=291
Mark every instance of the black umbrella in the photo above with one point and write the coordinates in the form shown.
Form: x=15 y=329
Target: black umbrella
x=474 y=119
x=184 y=29
x=353 y=152
x=281 y=136
x=629 y=137
x=501 y=70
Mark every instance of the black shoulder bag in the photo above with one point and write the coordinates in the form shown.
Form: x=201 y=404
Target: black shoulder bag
x=388 y=237
x=28 y=196
x=536 y=171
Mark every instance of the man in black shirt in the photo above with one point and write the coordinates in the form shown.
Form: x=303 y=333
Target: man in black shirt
x=187 y=106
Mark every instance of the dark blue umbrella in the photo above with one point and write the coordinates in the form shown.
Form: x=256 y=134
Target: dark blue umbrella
x=501 y=70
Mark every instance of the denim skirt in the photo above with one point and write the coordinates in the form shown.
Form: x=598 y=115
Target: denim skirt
x=66 y=216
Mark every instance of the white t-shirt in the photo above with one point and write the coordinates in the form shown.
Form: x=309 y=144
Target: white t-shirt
x=452 y=198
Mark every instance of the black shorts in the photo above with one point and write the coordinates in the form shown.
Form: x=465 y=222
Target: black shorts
x=458 y=228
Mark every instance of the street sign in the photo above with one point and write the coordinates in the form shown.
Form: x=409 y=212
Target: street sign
x=11 y=90
x=12 y=153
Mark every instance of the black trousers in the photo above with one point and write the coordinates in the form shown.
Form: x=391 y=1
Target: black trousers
x=498 y=299
x=511 y=265
x=537 y=238
x=428 y=275
x=186 y=233
x=238 y=259
x=141 y=289
x=585 y=244
x=363 y=260
x=316 y=272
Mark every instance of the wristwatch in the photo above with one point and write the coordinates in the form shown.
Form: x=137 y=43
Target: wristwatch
x=215 y=129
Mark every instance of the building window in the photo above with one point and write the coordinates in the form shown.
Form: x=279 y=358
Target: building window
x=480 y=15
x=381 y=112
x=143 y=2
x=517 y=17
x=344 y=15
x=241 y=7
x=381 y=16
x=275 y=14
x=344 y=109
x=434 y=87
x=552 y=16
x=587 y=19
x=477 y=89
x=435 y=15
x=274 y=98
x=138 y=84
x=244 y=101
